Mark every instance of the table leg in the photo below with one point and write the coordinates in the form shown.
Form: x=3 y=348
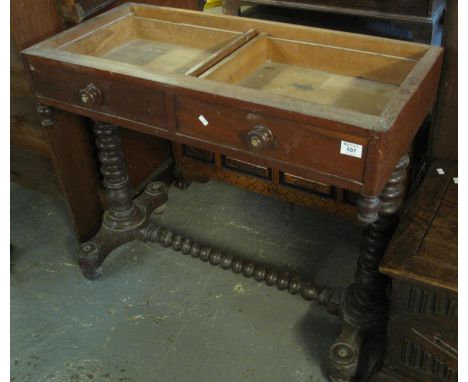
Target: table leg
x=124 y=217
x=68 y=138
x=364 y=304
x=126 y=220
x=180 y=181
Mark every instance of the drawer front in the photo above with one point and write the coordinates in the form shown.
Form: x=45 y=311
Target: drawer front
x=292 y=145
x=117 y=97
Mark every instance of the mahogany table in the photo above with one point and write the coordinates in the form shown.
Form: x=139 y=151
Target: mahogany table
x=333 y=107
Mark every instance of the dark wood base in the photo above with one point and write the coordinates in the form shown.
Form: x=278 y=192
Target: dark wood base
x=362 y=307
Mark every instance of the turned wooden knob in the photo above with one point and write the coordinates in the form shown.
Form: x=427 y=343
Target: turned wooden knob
x=90 y=95
x=260 y=138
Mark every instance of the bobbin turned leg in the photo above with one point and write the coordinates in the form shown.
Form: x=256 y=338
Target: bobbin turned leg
x=124 y=216
x=364 y=305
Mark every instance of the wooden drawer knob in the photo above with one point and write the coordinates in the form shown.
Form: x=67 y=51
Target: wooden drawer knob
x=260 y=138
x=90 y=95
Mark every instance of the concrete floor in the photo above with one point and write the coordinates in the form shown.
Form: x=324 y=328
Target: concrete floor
x=156 y=315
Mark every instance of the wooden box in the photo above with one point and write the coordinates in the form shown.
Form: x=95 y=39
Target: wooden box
x=422 y=261
x=332 y=107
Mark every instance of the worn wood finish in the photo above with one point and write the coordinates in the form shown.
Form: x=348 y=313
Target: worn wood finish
x=422 y=262
x=228 y=128
x=425 y=245
x=214 y=58
x=381 y=136
x=236 y=68
x=422 y=335
x=248 y=127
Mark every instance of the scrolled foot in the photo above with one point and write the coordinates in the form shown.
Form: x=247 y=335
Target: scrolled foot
x=343 y=358
x=343 y=362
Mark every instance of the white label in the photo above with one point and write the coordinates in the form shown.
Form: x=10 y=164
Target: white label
x=203 y=120
x=455 y=180
x=351 y=149
x=440 y=171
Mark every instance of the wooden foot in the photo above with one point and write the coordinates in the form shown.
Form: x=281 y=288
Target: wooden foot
x=180 y=182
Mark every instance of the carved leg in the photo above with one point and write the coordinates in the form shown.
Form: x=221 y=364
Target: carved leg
x=364 y=305
x=124 y=216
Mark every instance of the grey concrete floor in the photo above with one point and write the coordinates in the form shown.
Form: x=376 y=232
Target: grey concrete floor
x=156 y=315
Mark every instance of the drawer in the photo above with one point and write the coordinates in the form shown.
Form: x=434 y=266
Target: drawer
x=290 y=145
x=115 y=96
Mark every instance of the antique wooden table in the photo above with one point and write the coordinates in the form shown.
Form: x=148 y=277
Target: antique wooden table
x=333 y=107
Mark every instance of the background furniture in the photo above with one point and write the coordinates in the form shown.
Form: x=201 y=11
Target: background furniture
x=422 y=258
x=422 y=262
x=421 y=18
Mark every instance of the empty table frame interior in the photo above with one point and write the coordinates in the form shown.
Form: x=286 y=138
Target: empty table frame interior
x=342 y=77
x=327 y=75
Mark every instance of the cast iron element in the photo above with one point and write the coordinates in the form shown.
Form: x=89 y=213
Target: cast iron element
x=90 y=95
x=364 y=304
x=293 y=284
x=124 y=216
x=260 y=138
